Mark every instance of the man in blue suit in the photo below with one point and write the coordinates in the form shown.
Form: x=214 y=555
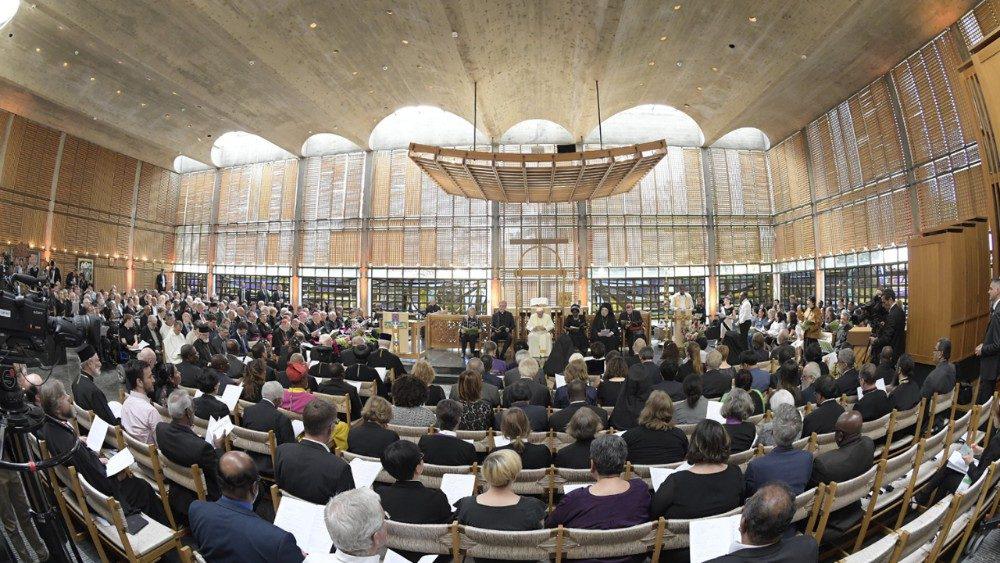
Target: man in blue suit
x=229 y=530
x=784 y=463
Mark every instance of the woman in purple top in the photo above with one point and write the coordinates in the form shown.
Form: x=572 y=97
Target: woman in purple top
x=611 y=502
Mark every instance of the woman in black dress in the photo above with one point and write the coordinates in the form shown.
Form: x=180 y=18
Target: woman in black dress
x=616 y=370
x=656 y=440
x=515 y=428
x=584 y=425
x=605 y=322
x=576 y=326
x=372 y=435
x=423 y=371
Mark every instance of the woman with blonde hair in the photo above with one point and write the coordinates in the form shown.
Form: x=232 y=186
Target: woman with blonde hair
x=656 y=440
x=574 y=370
x=515 y=429
x=499 y=507
x=423 y=371
x=371 y=436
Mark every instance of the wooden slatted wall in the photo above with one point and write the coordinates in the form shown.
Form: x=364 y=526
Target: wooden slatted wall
x=742 y=206
x=980 y=22
x=26 y=180
x=331 y=210
x=194 y=217
x=256 y=213
x=793 y=224
x=156 y=210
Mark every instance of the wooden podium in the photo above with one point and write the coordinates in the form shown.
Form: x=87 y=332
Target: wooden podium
x=858 y=337
x=405 y=334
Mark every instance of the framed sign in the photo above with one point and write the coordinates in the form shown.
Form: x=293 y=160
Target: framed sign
x=85 y=269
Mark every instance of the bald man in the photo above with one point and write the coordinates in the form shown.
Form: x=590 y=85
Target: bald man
x=852 y=458
x=229 y=529
x=766 y=517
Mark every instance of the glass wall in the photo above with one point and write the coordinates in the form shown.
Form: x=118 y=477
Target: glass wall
x=191 y=282
x=853 y=278
x=411 y=295
x=325 y=288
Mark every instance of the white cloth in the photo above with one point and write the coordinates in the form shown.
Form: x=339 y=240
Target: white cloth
x=682 y=305
x=776 y=327
x=682 y=302
x=540 y=342
x=341 y=557
x=172 y=344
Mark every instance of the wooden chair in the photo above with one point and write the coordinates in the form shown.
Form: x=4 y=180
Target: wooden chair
x=890 y=494
x=481 y=439
x=149 y=544
x=162 y=410
x=963 y=513
x=432 y=474
x=411 y=433
x=575 y=543
x=342 y=402
x=483 y=543
x=677 y=534
x=822 y=443
x=877 y=430
x=254 y=441
x=84 y=419
x=878 y=552
x=441 y=539
x=918 y=532
x=565 y=476
x=644 y=471
x=148 y=468
x=190 y=478
x=383 y=475
x=199 y=426
x=61 y=480
x=838 y=495
x=903 y=421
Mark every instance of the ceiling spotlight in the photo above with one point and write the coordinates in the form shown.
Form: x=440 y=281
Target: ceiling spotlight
x=174 y=93
x=652 y=63
x=336 y=51
x=389 y=12
x=76 y=52
x=687 y=105
x=119 y=61
x=405 y=42
x=804 y=56
x=38 y=49
x=167 y=115
x=663 y=38
x=699 y=88
x=119 y=92
x=312 y=25
x=95 y=118
x=642 y=84
x=752 y=19
x=189 y=125
x=454 y=35
x=677 y=6
x=715 y=69
x=65 y=64
x=310 y=132
x=371 y=91
x=92 y=79
x=143 y=104
x=355 y=73
x=679 y=64
x=385 y=67
x=251 y=63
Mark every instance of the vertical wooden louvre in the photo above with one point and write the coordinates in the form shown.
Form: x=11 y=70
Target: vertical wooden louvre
x=331 y=210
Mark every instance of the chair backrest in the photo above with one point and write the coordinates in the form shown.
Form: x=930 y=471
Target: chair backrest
x=608 y=544
x=431 y=476
x=942 y=401
x=878 y=552
x=920 y=531
x=292 y=415
x=85 y=419
x=479 y=438
x=191 y=478
x=852 y=490
x=934 y=443
x=383 y=475
x=342 y=402
x=532 y=481
x=199 y=426
x=823 y=443
x=687 y=429
x=412 y=433
x=678 y=531
x=162 y=410
x=146 y=458
x=420 y=538
x=494 y=544
x=98 y=502
x=253 y=441
x=876 y=429
x=565 y=476
x=804 y=504
x=897 y=465
x=961 y=425
x=756 y=419
x=907 y=418
x=742 y=458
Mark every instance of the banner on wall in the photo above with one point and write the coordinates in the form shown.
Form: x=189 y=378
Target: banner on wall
x=85 y=269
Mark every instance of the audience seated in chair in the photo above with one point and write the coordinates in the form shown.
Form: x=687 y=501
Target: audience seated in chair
x=489 y=392
x=576 y=370
x=139 y=416
x=527 y=370
x=297 y=395
x=371 y=436
x=423 y=371
x=207 y=405
x=710 y=486
x=228 y=529
x=86 y=394
x=874 y=402
x=810 y=375
x=515 y=427
x=444 y=447
x=941 y=379
x=766 y=518
x=906 y=395
x=254 y=378
x=693 y=408
x=736 y=410
x=669 y=383
x=823 y=419
x=179 y=444
x=611 y=502
x=408 y=397
x=978 y=459
x=477 y=414
x=189 y=367
x=264 y=417
x=134 y=494
x=613 y=379
x=577 y=392
x=308 y=469
x=355 y=521
x=408 y=500
x=744 y=380
x=582 y=427
x=848 y=380
x=715 y=382
x=500 y=508
x=784 y=463
x=334 y=384
x=519 y=394
x=852 y=458
x=656 y=440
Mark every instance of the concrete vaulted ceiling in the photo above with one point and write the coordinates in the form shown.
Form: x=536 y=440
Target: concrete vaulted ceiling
x=190 y=69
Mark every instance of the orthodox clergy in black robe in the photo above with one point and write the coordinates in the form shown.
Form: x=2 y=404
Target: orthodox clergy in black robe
x=604 y=328
x=575 y=325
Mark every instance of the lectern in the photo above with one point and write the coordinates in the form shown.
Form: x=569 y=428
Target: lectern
x=398 y=325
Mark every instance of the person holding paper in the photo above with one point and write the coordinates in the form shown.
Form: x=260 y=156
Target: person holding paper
x=265 y=417
x=500 y=508
x=382 y=357
x=515 y=430
x=975 y=460
x=207 y=405
x=766 y=517
x=134 y=494
x=873 y=403
x=853 y=457
x=709 y=487
x=408 y=500
x=371 y=437
x=308 y=469
x=576 y=370
x=139 y=416
x=604 y=328
x=178 y=443
x=356 y=524
x=784 y=463
x=229 y=529
x=86 y=394
x=297 y=394
x=611 y=502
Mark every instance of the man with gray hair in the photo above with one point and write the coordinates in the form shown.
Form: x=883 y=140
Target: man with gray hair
x=356 y=523
x=766 y=517
x=527 y=369
x=515 y=373
x=810 y=373
x=847 y=383
x=178 y=443
x=715 y=382
x=264 y=417
x=784 y=463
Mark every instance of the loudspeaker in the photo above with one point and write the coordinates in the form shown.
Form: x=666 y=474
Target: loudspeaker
x=565 y=148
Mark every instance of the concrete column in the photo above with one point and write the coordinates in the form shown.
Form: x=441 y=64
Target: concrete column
x=364 y=247
x=708 y=182
x=130 y=260
x=296 y=287
x=213 y=237
x=52 y=200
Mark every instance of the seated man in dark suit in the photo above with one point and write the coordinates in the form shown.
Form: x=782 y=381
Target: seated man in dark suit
x=906 y=395
x=538 y=392
x=236 y=365
x=207 y=405
x=577 y=393
x=189 y=368
x=784 y=463
x=823 y=419
x=766 y=517
x=444 y=448
x=179 y=444
x=134 y=494
x=334 y=384
x=477 y=365
x=715 y=382
x=229 y=529
x=852 y=458
x=86 y=394
x=519 y=394
x=357 y=353
x=384 y=358
x=308 y=469
x=407 y=500
x=264 y=417
x=941 y=379
x=515 y=373
x=669 y=384
x=874 y=403
x=645 y=370
x=847 y=383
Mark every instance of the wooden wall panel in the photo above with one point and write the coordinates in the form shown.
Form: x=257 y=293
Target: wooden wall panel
x=789 y=173
x=30 y=159
x=93 y=177
x=194 y=205
x=258 y=192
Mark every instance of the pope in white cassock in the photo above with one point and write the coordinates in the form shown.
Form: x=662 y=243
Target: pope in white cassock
x=540 y=327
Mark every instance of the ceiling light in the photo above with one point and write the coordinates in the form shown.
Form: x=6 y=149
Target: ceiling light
x=355 y=73
x=76 y=52
x=143 y=104
x=251 y=63
x=174 y=93
x=7 y=10
x=752 y=19
x=371 y=91
x=385 y=67
x=642 y=84
x=119 y=92
x=652 y=63
x=189 y=125
x=687 y=105
x=804 y=56
x=715 y=69
x=679 y=64
x=310 y=132
x=38 y=49
x=95 y=118
x=405 y=42
x=663 y=38
x=336 y=51
x=677 y=7
x=92 y=79
x=167 y=115
x=699 y=88
x=65 y=64
x=119 y=61
x=389 y=12
x=312 y=25
x=454 y=35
